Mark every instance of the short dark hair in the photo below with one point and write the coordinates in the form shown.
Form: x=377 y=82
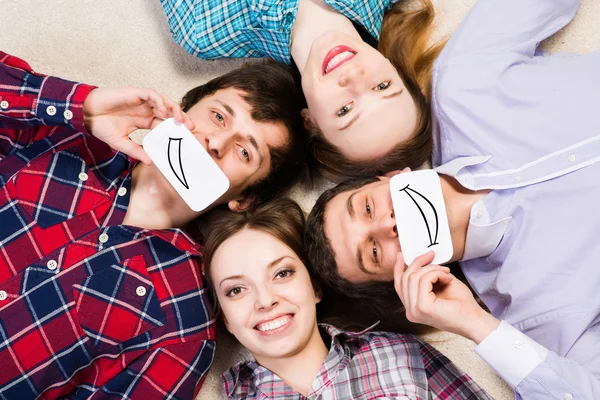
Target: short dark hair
x=274 y=94
x=370 y=301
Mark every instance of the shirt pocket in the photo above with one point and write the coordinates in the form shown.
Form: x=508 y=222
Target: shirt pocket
x=117 y=304
x=57 y=187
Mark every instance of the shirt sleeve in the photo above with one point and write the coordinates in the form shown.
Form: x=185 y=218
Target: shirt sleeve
x=510 y=25
x=29 y=101
x=533 y=371
x=445 y=380
x=175 y=371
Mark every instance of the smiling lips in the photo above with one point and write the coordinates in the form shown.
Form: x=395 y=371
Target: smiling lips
x=336 y=57
x=274 y=325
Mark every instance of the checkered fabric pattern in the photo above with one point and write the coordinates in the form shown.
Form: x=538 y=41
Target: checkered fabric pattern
x=212 y=29
x=89 y=308
x=363 y=365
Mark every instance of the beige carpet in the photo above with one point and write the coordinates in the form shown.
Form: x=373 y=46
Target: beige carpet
x=117 y=43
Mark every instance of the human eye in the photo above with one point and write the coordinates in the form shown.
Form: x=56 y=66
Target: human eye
x=345 y=109
x=234 y=291
x=368 y=209
x=284 y=273
x=245 y=153
x=382 y=86
x=219 y=117
x=375 y=252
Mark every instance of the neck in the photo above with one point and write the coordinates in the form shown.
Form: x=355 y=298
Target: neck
x=313 y=19
x=458 y=201
x=299 y=370
x=154 y=203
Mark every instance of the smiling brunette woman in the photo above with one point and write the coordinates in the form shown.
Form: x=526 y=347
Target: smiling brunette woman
x=267 y=299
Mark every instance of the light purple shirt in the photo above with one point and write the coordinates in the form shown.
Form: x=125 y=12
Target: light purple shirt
x=527 y=126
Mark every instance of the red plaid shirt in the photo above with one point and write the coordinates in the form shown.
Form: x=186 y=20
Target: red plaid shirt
x=89 y=308
x=364 y=365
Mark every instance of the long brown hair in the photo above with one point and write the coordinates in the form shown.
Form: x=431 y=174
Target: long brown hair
x=404 y=40
x=281 y=218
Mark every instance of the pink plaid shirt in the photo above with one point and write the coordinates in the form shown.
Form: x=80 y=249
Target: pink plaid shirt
x=363 y=365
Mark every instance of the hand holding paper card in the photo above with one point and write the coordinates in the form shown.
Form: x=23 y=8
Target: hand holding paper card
x=421 y=218
x=186 y=164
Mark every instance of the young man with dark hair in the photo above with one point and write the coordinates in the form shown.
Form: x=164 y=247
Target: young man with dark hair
x=101 y=292
x=524 y=242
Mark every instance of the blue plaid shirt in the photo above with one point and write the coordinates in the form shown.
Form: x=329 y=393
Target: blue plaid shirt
x=213 y=29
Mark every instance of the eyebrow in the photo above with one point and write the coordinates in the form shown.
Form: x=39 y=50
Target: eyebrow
x=230 y=278
x=275 y=262
x=350 y=205
x=227 y=108
x=350 y=122
x=392 y=95
x=359 y=260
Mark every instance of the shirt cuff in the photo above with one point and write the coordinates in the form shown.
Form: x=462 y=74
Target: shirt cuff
x=511 y=353
x=60 y=102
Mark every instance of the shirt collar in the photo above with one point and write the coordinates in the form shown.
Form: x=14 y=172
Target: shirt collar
x=483 y=235
x=177 y=238
x=247 y=376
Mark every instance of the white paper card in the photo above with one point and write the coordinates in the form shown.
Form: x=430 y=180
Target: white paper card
x=421 y=217
x=186 y=164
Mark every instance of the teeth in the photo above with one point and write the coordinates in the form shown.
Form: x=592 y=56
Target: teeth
x=276 y=323
x=338 y=59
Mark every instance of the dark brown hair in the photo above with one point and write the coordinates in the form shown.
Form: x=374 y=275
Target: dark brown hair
x=273 y=92
x=281 y=218
x=404 y=41
x=370 y=301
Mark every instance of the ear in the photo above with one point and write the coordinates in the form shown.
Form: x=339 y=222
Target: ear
x=309 y=121
x=395 y=172
x=318 y=295
x=241 y=204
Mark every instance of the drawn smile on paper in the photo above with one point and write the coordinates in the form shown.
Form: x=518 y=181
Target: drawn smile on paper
x=174 y=157
x=432 y=236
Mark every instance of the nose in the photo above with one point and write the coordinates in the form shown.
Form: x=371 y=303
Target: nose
x=353 y=77
x=266 y=300
x=385 y=226
x=217 y=143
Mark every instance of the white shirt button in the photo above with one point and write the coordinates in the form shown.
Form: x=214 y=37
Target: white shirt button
x=52 y=265
x=518 y=179
x=479 y=213
x=572 y=158
x=518 y=345
x=68 y=114
x=83 y=176
x=103 y=238
x=3 y=295
x=140 y=291
x=51 y=110
x=4 y=104
x=568 y=396
x=122 y=191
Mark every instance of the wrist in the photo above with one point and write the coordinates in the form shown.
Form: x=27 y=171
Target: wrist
x=481 y=327
x=86 y=109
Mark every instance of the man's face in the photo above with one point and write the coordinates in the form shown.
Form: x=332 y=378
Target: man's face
x=361 y=227
x=239 y=145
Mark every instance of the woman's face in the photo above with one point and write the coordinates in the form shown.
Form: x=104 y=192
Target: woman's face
x=266 y=294
x=356 y=97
